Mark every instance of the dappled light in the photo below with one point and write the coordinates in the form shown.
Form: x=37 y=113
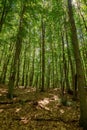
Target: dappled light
x=45 y=101
x=1 y=110
x=17 y=109
x=55 y=97
x=24 y=120
x=61 y=111
x=2 y=90
x=41 y=108
x=43 y=64
x=0 y=94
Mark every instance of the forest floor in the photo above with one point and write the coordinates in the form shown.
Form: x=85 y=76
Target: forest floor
x=31 y=110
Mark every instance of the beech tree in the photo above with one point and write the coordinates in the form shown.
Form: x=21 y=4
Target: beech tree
x=79 y=68
x=16 y=57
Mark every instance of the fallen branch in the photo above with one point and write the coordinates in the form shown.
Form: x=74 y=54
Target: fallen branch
x=15 y=101
x=59 y=119
x=49 y=119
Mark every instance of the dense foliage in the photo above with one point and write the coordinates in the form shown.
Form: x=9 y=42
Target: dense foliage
x=44 y=45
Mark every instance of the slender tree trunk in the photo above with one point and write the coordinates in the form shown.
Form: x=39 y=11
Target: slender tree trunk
x=2 y=19
x=52 y=49
x=48 y=74
x=27 y=73
x=18 y=77
x=4 y=72
x=43 y=54
x=79 y=10
x=5 y=65
x=23 y=75
x=5 y=11
x=32 y=69
x=40 y=56
x=65 y=68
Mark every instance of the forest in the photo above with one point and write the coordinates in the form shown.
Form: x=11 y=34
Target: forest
x=43 y=64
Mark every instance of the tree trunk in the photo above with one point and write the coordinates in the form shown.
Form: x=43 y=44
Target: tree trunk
x=72 y=69
x=3 y=16
x=18 y=77
x=18 y=47
x=79 y=10
x=43 y=55
x=23 y=74
x=79 y=69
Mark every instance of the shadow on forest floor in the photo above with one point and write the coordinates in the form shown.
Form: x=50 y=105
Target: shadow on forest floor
x=31 y=110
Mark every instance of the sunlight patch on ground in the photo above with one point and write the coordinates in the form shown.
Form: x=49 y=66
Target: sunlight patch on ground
x=28 y=89
x=18 y=109
x=3 y=90
x=55 y=97
x=21 y=87
x=45 y=101
x=56 y=89
x=42 y=104
x=24 y=120
x=1 y=110
x=62 y=111
x=0 y=94
x=31 y=90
